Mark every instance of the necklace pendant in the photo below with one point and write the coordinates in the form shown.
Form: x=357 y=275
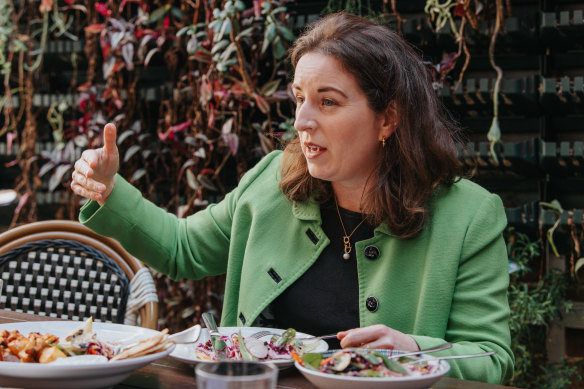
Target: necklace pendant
x=346 y=256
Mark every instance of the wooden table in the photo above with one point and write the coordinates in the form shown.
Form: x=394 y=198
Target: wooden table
x=170 y=373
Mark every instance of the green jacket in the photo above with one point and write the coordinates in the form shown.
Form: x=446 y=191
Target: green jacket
x=450 y=283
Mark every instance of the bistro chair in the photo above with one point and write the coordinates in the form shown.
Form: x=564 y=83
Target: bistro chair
x=62 y=269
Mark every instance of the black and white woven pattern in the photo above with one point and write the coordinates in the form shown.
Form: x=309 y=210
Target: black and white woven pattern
x=64 y=279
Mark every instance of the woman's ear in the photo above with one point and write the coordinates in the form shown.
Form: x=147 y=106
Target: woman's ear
x=389 y=121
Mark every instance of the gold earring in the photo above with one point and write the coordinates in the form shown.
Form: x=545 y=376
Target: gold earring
x=383 y=142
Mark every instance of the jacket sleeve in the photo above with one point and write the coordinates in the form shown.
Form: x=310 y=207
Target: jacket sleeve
x=479 y=315
x=192 y=247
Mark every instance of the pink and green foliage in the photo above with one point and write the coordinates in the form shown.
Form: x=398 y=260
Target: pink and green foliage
x=198 y=90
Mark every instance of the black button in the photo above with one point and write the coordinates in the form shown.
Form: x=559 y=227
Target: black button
x=372 y=303
x=371 y=252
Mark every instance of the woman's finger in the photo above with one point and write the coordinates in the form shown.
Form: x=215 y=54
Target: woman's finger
x=83 y=192
x=358 y=337
x=91 y=159
x=382 y=343
x=88 y=183
x=109 y=139
x=82 y=166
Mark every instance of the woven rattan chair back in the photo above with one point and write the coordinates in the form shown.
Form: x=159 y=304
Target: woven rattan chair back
x=62 y=269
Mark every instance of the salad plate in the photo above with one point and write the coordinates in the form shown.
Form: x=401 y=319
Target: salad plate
x=328 y=380
x=188 y=352
x=90 y=373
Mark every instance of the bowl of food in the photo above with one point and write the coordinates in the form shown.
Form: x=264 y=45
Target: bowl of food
x=60 y=354
x=370 y=369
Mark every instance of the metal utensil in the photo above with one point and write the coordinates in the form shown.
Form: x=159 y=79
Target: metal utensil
x=261 y=334
x=216 y=341
x=421 y=360
x=440 y=347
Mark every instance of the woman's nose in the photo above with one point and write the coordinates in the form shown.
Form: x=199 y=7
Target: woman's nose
x=305 y=118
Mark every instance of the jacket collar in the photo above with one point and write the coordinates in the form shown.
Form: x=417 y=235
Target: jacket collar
x=306 y=210
x=310 y=210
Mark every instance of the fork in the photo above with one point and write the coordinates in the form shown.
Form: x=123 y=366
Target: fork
x=450 y=357
x=261 y=334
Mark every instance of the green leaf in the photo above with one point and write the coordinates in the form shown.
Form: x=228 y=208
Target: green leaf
x=286 y=33
x=372 y=357
x=130 y=152
x=494 y=137
x=270 y=87
x=157 y=14
x=245 y=354
x=57 y=176
x=278 y=48
x=312 y=360
x=47 y=167
x=183 y=30
x=278 y=10
x=393 y=365
x=245 y=33
x=176 y=12
x=287 y=337
x=224 y=65
x=138 y=174
x=219 y=46
x=192 y=180
x=240 y=5
x=225 y=29
x=227 y=53
x=554 y=205
x=216 y=26
x=269 y=36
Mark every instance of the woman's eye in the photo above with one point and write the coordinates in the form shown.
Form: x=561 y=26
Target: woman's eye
x=328 y=102
x=299 y=99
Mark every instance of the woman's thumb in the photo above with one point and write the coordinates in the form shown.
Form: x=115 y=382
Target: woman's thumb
x=109 y=138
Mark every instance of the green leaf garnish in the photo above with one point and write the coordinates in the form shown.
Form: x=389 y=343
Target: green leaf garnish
x=394 y=365
x=245 y=354
x=312 y=360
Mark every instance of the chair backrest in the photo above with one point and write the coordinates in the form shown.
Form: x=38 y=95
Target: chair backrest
x=63 y=269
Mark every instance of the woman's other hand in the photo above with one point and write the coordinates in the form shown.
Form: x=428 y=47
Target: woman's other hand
x=95 y=172
x=377 y=336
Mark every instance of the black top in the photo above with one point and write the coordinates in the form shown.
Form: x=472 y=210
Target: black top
x=325 y=299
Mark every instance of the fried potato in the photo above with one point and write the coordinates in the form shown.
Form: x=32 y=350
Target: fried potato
x=49 y=354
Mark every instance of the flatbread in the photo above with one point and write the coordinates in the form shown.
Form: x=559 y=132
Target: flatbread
x=157 y=343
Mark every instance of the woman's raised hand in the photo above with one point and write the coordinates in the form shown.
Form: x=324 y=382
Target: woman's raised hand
x=377 y=336
x=95 y=172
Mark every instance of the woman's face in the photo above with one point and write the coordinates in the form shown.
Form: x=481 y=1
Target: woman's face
x=339 y=133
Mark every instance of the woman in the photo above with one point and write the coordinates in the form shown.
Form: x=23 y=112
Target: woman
x=360 y=226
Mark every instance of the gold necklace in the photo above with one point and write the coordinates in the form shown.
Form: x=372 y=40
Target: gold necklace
x=347 y=237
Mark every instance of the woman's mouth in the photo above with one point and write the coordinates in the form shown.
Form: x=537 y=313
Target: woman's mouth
x=312 y=150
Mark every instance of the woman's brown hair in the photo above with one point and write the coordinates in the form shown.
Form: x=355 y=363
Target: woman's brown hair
x=419 y=156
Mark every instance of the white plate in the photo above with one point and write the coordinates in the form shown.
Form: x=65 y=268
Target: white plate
x=333 y=381
x=90 y=375
x=186 y=352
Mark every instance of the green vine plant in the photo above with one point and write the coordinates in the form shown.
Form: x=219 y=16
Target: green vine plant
x=576 y=237
x=442 y=14
x=556 y=207
x=536 y=300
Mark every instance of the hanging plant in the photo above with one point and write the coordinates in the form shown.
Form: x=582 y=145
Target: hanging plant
x=457 y=14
